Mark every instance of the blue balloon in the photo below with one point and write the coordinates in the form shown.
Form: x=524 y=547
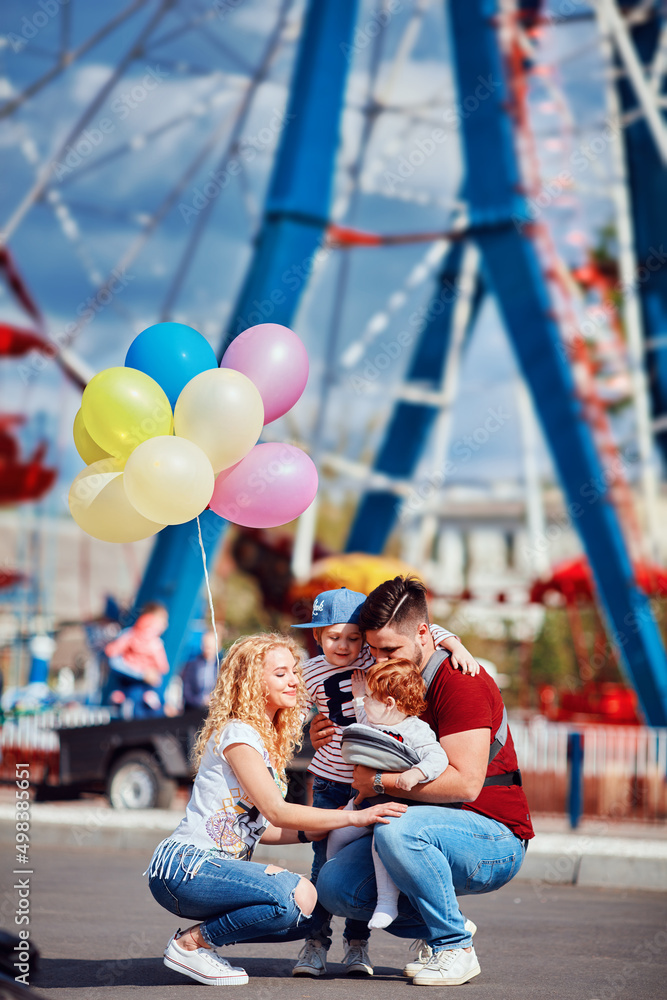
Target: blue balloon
x=172 y=354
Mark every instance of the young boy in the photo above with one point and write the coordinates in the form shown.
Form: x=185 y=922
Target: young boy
x=328 y=678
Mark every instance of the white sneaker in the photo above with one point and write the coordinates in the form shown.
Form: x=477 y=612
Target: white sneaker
x=203 y=965
x=425 y=952
x=356 y=958
x=449 y=968
x=312 y=960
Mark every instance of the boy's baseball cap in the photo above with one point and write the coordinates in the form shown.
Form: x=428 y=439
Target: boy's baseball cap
x=335 y=607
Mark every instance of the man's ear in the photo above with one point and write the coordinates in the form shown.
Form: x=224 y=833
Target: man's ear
x=423 y=633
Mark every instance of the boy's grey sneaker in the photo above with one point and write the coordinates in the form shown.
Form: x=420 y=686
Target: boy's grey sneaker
x=356 y=958
x=312 y=960
x=425 y=952
x=449 y=968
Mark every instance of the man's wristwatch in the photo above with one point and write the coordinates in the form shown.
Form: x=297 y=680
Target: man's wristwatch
x=378 y=787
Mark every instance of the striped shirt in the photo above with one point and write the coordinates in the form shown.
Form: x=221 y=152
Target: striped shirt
x=330 y=689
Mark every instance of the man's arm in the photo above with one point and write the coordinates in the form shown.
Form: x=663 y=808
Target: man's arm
x=461 y=781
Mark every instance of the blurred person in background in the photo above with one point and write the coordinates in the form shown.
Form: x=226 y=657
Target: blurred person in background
x=138 y=664
x=200 y=673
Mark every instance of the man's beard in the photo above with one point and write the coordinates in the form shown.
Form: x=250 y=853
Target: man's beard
x=418 y=655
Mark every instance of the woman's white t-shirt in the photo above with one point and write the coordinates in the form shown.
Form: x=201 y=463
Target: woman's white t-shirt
x=221 y=815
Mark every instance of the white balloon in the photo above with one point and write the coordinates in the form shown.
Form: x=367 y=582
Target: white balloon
x=220 y=410
x=168 y=479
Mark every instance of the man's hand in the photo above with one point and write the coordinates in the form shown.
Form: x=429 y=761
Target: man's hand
x=363 y=782
x=321 y=731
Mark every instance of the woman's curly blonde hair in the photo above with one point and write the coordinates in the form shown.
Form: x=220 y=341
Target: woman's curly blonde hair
x=240 y=694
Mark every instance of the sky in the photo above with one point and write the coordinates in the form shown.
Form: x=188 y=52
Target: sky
x=186 y=82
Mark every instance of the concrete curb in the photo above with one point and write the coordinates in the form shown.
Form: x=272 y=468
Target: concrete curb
x=578 y=859
x=552 y=858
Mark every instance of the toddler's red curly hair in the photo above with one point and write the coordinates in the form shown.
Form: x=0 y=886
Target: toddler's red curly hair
x=399 y=679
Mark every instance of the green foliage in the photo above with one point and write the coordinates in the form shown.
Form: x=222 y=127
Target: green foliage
x=553 y=659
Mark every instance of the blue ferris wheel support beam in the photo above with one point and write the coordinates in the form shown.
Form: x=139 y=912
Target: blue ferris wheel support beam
x=647 y=179
x=411 y=422
x=512 y=269
x=295 y=217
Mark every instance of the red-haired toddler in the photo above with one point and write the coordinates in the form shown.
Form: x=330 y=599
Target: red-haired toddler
x=389 y=696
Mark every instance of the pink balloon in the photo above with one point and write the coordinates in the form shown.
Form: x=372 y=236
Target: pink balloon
x=272 y=485
x=274 y=358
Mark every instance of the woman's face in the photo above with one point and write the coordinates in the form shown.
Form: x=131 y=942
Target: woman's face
x=281 y=682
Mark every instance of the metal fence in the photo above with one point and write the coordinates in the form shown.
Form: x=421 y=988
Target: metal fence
x=33 y=739
x=624 y=768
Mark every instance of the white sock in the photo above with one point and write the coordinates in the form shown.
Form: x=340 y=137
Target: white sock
x=386 y=908
x=338 y=839
x=383 y=915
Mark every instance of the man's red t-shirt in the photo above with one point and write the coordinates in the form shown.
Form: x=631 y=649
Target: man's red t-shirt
x=457 y=702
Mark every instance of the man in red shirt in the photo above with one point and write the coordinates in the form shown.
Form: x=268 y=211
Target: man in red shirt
x=475 y=844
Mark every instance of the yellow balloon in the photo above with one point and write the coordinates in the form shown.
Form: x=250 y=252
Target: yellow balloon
x=84 y=444
x=121 y=407
x=168 y=479
x=98 y=503
x=221 y=410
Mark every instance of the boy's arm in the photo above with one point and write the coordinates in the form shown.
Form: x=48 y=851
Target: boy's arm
x=461 y=658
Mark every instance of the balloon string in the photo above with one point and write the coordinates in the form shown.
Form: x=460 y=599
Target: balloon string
x=210 y=595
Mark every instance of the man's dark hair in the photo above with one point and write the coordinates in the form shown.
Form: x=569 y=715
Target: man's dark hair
x=400 y=602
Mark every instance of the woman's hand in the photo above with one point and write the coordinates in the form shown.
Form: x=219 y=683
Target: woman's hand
x=321 y=731
x=380 y=813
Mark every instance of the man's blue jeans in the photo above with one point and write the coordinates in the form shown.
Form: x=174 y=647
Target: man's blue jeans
x=331 y=795
x=433 y=854
x=235 y=900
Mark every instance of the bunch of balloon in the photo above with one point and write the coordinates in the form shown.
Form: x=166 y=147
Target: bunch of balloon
x=155 y=434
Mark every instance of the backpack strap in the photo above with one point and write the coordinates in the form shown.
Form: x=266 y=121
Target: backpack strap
x=433 y=665
x=499 y=741
x=500 y=737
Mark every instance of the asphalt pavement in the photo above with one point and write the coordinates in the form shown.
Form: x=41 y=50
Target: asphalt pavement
x=101 y=936
x=598 y=853
x=585 y=918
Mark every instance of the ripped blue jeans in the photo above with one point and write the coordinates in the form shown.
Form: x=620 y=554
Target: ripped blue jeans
x=234 y=900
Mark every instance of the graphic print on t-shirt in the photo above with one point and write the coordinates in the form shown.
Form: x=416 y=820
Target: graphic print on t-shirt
x=225 y=829
x=233 y=827
x=337 y=698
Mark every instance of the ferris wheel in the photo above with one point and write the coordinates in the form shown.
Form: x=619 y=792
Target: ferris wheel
x=491 y=228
